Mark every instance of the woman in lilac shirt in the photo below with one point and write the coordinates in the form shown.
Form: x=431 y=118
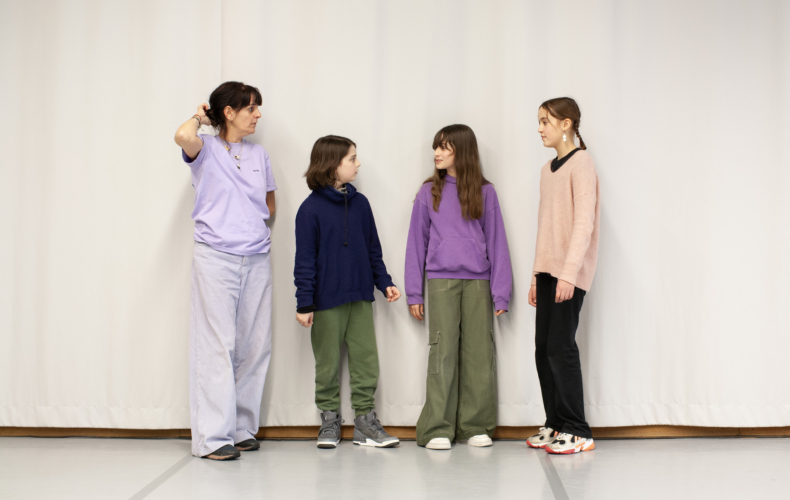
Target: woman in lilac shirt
x=230 y=323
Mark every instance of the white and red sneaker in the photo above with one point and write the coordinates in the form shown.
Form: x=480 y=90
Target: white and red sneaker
x=544 y=436
x=567 y=444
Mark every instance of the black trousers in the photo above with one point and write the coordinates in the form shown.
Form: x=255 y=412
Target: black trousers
x=557 y=358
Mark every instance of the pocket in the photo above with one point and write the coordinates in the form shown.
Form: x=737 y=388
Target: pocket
x=433 y=356
x=493 y=352
x=458 y=254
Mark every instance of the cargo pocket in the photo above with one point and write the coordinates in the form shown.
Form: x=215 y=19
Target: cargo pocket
x=433 y=356
x=493 y=352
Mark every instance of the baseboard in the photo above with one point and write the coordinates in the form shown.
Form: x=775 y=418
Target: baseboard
x=408 y=433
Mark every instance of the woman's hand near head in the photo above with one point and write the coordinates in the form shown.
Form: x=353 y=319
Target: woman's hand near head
x=201 y=112
x=417 y=311
x=305 y=319
x=186 y=135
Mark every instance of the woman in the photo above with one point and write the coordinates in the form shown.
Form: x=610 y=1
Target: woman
x=230 y=325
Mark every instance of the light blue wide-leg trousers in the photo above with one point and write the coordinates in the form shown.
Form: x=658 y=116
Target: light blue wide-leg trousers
x=230 y=345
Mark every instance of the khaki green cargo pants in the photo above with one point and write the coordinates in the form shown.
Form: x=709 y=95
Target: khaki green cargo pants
x=351 y=323
x=461 y=392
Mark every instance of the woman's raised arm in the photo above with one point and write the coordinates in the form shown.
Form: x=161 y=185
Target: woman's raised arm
x=186 y=135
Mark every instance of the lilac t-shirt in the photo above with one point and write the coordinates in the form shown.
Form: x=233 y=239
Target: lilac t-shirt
x=230 y=203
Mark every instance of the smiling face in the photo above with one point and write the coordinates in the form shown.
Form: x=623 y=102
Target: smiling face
x=444 y=157
x=349 y=167
x=243 y=121
x=551 y=129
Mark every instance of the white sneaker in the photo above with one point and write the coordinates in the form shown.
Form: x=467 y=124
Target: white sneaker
x=566 y=444
x=438 y=444
x=544 y=436
x=480 y=441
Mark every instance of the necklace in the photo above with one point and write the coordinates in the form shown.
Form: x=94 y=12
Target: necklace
x=238 y=156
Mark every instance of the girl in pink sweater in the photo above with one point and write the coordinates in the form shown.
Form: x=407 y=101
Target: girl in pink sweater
x=565 y=257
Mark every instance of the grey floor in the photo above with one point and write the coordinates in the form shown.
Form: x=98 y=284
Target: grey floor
x=33 y=468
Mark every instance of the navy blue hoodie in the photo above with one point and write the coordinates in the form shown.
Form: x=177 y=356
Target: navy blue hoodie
x=338 y=253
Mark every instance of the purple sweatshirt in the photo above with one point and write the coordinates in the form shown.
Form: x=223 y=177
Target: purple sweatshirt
x=457 y=248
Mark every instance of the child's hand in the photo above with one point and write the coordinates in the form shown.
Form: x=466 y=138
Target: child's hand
x=533 y=296
x=564 y=291
x=392 y=294
x=500 y=312
x=305 y=319
x=418 y=311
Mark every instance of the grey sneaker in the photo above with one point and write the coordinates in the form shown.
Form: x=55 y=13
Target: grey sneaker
x=329 y=434
x=369 y=432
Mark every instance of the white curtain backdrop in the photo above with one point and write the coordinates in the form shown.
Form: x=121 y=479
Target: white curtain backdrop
x=685 y=109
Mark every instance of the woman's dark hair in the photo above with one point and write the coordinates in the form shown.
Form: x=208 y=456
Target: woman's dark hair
x=328 y=153
x=469 y=181
x=565 y=108
x=234 y=94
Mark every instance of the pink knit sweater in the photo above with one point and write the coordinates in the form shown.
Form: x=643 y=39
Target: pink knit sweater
x=568 y=221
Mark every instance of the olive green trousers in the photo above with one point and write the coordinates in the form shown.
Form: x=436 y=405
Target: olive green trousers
x=461 y=391
x=351 y=323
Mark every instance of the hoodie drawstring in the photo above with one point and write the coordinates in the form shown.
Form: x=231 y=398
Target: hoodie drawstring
x=345 y=197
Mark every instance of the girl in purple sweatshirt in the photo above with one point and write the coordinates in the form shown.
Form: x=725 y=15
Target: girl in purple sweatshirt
x=458 y=239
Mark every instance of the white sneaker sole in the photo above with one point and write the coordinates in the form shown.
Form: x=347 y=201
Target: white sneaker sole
x=480 y=444
x=386 y=444
x=325 y=444
x=586 y=446
x=441 y=446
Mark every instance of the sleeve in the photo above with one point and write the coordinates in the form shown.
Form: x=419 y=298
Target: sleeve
x=416 y=250
x=584 y=182
x=267 y=166
x=198 y=161
x=376 y=254
x=305 y=264
x=498 y=253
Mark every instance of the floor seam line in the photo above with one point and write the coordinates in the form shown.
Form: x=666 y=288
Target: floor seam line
x=557 y=489
x=160 y=480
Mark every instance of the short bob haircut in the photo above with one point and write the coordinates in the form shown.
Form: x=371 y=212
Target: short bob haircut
x=234 y=94
x=328 y=153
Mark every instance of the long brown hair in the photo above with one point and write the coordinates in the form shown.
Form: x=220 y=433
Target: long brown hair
x=565 y=108
x=328 y=153
x=469 y=176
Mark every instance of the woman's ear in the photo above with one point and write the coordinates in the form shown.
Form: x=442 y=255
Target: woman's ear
x=229 y=113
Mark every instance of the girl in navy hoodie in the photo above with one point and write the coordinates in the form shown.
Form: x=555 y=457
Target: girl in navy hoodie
x=338 y=263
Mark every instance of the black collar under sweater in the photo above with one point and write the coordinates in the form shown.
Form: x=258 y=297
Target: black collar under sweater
x=556 y=164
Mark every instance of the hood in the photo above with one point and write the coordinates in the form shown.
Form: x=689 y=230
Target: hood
x=333 y=194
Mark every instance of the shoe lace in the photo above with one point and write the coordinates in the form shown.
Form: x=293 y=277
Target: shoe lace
x=330 y=426
x=375 y=424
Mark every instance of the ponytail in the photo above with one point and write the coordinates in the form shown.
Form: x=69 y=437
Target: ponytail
x=576 y=131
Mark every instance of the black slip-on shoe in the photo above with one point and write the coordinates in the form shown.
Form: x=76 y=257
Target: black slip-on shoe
x=248 y=445
x=227 y=452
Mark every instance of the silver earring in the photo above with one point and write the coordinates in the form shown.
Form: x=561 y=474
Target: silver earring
x=563 y=138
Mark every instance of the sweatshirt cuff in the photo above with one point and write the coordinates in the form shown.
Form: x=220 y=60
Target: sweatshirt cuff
x=303 y=301
x=414 y=300
x=500 y=305
x=383 y=284
x=570 y=278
